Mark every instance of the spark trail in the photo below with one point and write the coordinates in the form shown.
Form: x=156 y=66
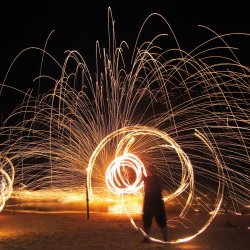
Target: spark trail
x=185 y=112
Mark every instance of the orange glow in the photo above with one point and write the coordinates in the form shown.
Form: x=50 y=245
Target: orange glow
x=7 y=173
x=117 y=179
x=186 y=112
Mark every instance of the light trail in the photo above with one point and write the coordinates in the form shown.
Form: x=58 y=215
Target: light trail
x=117 y=179
x=185 y=112
x=116 y=172
x=7 y=175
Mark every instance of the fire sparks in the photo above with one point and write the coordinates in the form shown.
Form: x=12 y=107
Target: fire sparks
x=187 y=113
x=7 y=173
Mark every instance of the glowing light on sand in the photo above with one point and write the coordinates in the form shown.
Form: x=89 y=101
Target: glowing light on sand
x=185 y=112
x=131 y=208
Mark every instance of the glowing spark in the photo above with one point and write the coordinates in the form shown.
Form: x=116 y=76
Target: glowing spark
x=185 y=112
x=116 y=179
x=114 y=175
x=7 y=174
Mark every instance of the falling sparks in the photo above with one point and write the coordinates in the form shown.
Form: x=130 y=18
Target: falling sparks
x=186 y=113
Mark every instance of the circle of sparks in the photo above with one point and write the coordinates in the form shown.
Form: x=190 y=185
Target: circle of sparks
x=117 y=180
x=7 y=173
x=114 y=175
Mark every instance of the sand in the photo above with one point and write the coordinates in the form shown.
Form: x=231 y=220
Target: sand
x=52 y=231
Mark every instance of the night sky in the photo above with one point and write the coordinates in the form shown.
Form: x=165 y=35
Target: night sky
x=79 y=24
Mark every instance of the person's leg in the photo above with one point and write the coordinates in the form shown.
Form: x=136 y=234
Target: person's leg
x=164 y=233
x=147 y=231
x=147 y=219
x=161 y=221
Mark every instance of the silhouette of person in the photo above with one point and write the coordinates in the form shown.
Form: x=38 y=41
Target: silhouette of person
x=153 y=205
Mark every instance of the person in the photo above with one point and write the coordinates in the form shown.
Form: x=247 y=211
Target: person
x=153 y=205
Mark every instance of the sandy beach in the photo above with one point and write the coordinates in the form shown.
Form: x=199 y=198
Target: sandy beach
x=72 y=230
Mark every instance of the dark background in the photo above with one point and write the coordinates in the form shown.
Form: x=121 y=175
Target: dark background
x=79 y=24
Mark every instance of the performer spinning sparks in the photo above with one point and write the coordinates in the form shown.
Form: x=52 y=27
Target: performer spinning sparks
x=153 y=205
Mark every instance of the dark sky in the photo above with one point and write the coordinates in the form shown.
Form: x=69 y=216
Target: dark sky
x=78 y=24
